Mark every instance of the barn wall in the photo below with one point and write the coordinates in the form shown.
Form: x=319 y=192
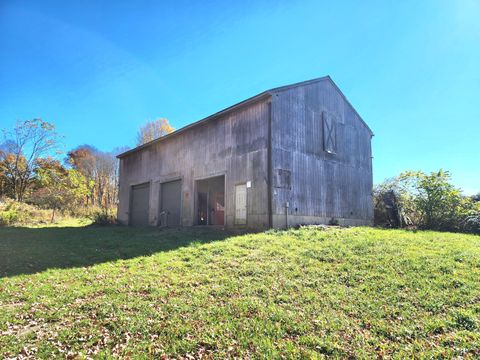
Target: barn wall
x=234 y=145
x=317 y=185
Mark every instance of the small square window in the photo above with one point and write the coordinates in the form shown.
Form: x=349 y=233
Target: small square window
x=282 y=179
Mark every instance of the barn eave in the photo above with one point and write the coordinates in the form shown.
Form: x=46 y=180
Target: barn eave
x=262 y=96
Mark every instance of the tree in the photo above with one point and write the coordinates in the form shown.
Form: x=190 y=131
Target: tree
x=106 y=178
x=115 y=152
x=8 y=162
x=58 y=188
x=22 y=148
x=153 y=130
x=101 y=171
x=83 y=159
x=428 y=201
x=436 y=199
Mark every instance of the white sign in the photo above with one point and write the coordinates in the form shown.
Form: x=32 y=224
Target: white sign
x=249 y=184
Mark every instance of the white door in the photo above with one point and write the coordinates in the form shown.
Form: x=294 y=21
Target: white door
x=241 y=204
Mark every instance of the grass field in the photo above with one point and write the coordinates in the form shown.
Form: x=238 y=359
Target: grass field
x=308 y=293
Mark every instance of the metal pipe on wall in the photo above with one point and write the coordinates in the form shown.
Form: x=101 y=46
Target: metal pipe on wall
x=287 y=205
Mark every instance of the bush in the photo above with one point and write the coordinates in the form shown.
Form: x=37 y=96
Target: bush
x=88 y=212
x=104 y=217
x=8 y=217
x=426 y=201
x=388 y=209
x=472 y=222
x=18 y=213
x=393 y=205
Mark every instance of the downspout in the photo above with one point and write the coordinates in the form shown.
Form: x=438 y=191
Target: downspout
x=287 y=205
x=269 y=166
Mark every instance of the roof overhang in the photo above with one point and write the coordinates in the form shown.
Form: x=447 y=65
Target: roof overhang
x=262 y=96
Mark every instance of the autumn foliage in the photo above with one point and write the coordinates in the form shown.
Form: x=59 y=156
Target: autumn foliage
x=32 y=172
x=152 y=130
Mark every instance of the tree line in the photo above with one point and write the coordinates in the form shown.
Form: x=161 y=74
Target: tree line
x=34 y=168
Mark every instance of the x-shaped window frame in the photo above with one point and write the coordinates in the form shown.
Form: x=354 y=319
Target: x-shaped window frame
x=329 y=136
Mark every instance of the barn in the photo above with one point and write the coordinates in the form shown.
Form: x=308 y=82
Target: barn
x=297 y=154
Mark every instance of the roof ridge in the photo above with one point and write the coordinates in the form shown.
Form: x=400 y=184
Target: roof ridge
x=249 y=100
x=301 y=83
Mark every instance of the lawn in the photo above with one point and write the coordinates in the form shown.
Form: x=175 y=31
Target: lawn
x=308 y=293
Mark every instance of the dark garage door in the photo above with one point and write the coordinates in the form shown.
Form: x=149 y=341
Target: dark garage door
x=140 y=204
x=170 y=203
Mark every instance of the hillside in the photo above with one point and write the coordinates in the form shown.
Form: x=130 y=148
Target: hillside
x=356 y=292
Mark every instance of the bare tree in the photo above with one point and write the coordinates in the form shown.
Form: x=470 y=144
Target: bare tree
x=23 y=146
x=115 y=152
x=106 y=164
x=153 y=130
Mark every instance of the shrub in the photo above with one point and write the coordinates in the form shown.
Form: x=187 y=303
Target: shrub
x=104 y=217
x=472 y=222
x=19 y=213
x=85 y=211
x=427 y=201
x=8 y=217
x=393 y=205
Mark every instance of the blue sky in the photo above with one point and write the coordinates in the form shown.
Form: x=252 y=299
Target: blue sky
x=100 y=69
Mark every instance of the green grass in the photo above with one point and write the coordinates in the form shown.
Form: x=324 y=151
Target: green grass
x=62 y=222
x=309 y=293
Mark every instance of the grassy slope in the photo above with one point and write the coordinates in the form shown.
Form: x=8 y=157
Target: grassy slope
x=300 y=293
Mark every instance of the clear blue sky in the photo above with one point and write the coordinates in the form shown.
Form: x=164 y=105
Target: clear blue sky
x=99 y=69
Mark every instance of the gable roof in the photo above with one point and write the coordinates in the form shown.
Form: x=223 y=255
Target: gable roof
x=263 y=95
x=328 y=78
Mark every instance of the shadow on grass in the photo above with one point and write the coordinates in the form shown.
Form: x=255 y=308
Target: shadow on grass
x=31 y=250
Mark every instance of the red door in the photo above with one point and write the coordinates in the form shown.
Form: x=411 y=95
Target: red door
x=218 y=213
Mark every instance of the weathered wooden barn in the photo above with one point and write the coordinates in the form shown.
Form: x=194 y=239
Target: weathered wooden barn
x=298 y=154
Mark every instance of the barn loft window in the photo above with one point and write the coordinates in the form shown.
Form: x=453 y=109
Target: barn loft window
x=329 y=134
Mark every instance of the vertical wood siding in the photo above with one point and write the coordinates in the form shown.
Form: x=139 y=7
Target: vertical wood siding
x=323 y=185
x=234 y=144
x=317 y=185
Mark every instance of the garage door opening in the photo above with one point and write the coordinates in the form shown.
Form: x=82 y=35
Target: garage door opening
x=139 y=204
x=210 y=201
x=170 y=203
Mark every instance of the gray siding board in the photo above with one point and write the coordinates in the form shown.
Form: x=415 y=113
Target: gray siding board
x=234 y=145
x=324 y=185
